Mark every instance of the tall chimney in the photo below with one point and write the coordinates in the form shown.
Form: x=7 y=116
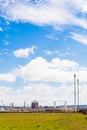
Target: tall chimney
x=54 y=104
x=78 y=93
x=75 y=109
x=24 y=104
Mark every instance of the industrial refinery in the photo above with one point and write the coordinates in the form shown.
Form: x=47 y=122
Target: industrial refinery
x=36 y=107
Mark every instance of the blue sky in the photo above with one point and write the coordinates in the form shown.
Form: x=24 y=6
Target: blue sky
x=42 y=44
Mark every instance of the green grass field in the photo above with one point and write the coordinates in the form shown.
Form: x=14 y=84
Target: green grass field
x=43 y=121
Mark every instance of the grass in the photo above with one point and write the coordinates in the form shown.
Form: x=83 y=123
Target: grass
x=43 y=121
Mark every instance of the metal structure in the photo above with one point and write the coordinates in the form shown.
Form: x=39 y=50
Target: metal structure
x=34 y=104
x=75 y=108
x=78 y=93
x=24 y=104
x=54 y=104
x=65 y=105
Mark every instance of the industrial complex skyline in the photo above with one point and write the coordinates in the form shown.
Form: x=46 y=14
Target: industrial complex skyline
x=43 y=43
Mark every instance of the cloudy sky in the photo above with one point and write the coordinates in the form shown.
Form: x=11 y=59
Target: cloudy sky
x=42 y=44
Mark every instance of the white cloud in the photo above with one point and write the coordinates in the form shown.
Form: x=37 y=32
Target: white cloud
x=56 y=70
x=46 y=12
x=1 y=30
x=45 y=91
x=24 y=53
x=5 y=42
x=48 y=52
x=4 y=52
x=80 y=38
x=40 y=69
x=59 y=53
x=52 y=36
x=7 y=77
x=82 y=74
x=42 y=92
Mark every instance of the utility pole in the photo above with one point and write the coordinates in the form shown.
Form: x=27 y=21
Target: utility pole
x=75 y=109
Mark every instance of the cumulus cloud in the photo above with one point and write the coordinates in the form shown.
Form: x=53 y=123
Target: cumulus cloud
x=40 y=69
x=48 y=74
x=44 y=93
x=80 y=38
x=46 y=12
x=7 y=77
x=24 y=53
x=56 y=70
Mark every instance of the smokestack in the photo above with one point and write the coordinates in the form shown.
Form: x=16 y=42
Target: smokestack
x=24 y=104
x=54 y=104
x=75 y=92
x=65 y=105
x=78 y=93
